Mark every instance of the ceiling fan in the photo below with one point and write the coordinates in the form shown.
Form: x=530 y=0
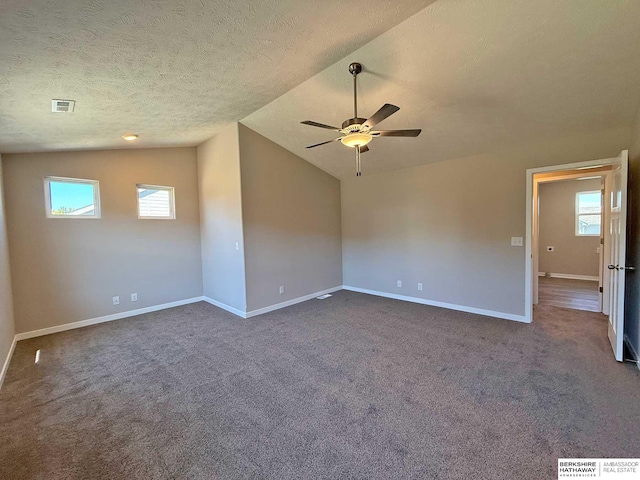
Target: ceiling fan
x=358 y=132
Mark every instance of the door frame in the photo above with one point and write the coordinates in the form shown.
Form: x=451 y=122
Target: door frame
x=528 y=258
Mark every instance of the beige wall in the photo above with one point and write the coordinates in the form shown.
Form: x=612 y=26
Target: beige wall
x=291 y=216
x=572 y=254
x=66 y=270
x=221 y=219
x=7 y=330
x=632 y=301
x=448 y=225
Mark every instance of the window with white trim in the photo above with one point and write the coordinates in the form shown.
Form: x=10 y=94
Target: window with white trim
x=588 y=213
x=71 y=197
x=155 y=201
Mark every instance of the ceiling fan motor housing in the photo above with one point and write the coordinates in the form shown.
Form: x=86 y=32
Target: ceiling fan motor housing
x=353 y=124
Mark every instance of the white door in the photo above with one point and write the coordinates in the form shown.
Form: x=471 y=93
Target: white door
x=618 y=230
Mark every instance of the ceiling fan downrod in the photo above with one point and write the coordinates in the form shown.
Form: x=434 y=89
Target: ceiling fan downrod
x=355 y=68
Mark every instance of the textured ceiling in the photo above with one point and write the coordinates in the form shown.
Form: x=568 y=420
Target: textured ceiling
x=475 y=76
x=174 y=72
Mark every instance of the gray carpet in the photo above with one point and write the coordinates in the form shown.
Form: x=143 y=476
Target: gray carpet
x=354 y=386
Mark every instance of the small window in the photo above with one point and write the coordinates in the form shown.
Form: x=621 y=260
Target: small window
x=71 y=198
x=588 y=213
x=156 y=202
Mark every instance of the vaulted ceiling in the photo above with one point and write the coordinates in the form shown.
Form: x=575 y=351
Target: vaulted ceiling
x=474 y=75
x=173 y=71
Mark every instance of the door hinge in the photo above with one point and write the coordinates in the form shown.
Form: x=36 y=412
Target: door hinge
x=600 y=289
x=601 y=240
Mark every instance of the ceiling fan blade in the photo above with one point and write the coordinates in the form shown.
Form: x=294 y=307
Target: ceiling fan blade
x=321 y=125
x=396 y=133
x=364 y=148
x=324 y=143
x=385 y=111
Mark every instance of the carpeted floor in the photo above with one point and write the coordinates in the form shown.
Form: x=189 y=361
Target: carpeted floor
x=353 y=386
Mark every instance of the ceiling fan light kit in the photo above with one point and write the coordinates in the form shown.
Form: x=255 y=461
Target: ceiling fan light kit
x=356 y=139
x=357 y=132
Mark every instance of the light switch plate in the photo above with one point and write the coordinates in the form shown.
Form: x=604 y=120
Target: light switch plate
x=516 y=241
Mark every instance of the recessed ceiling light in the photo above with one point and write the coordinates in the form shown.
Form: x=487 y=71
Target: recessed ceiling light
x=130 y=137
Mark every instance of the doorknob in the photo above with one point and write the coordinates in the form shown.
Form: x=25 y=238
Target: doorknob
x=612 y=267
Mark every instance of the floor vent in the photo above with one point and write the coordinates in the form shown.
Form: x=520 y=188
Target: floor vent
x=63 y=106
x=322 y=297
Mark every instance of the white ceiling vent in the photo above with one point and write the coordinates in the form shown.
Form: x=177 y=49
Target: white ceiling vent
x=63 y=106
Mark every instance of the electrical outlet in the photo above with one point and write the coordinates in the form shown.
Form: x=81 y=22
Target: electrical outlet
x=399 y=283
x=116 y=300
x=420 y=286
x=281 y=289
x=237 y=245
x=516 y=241
x=134 y=297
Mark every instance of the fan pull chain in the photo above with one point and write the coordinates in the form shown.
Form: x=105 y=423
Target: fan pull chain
x=356 y=149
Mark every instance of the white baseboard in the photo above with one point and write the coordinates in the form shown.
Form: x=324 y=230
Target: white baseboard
x=226 y=307
x=450 y=306
x=270 y=308
x=106 y=318
x=5 y=365
x=569 y=276
x=636 y=356
x=288 y=303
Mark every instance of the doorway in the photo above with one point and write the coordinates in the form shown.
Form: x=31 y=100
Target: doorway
x=570 y=238
x=611 y=255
